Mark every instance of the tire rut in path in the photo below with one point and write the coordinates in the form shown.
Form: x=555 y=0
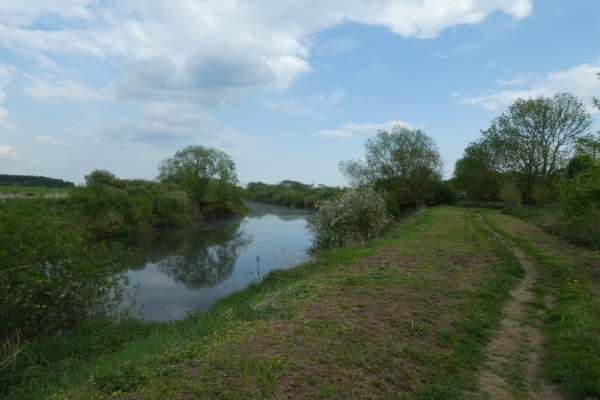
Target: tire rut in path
x=516 y=345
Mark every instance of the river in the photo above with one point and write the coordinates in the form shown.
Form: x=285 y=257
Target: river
x=185 y=268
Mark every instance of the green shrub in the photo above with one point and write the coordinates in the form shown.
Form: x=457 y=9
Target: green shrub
x=52 y=278
x=541 y=194
x=108 y=205
x=357 y=216
x=511 y=195
x=580 y=204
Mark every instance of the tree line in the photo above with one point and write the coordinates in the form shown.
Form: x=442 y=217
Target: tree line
x=290 y=193
x=33 y=181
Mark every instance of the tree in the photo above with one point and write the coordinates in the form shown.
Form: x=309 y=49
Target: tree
x=208 y=175
x=476 y=173
x=404 y=161
x=532 y=141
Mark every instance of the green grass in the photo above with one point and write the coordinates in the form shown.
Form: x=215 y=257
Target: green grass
x=552 y=220
x=572 y=326
x=100 y=357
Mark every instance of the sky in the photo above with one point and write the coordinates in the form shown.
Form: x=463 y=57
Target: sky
x=288 y=88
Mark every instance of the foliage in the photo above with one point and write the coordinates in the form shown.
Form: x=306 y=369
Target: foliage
x=209 y=177
x=290 y=193
x=406 y=159
x=108 y=205
x=511 y=195
x=541 y=194
x=532 y=141
x=475 y=173
x=357 y=216
x=589 y=145
x=445 y=194
x=579 y=163
x=33 y=181
x=580 y=203
x=52 y=277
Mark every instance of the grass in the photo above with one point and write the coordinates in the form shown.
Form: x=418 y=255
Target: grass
x=405 y=316
x=572 y=326
x=551 y=220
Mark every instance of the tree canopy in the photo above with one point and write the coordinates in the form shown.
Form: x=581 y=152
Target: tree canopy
x=533 y=140
x=406 y=162
x=208 y=175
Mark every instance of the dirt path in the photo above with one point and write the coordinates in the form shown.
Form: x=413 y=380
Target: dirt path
x=512 y=368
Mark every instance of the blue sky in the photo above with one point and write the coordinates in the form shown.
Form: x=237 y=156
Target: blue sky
x=288 y=89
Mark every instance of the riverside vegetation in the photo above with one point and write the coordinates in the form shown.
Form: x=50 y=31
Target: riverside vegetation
x=387 y=308
x=407 y=315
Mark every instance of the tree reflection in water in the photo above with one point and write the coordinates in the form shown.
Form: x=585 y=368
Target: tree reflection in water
x=200 y=257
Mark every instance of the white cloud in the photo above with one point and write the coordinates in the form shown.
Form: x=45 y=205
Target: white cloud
x=347 y=130
x=44 y=62
x=7 y=72
x=331 y=99
x=46 y=138
x=7 y=151
x=581 y=80
x=290 y=134
x=337 y=134
x=165 y=46
x=491 y=64
x=56 y=87
x=159 y=122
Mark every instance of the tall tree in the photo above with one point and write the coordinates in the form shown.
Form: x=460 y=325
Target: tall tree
x=406 y=161
x=206 y=173
x=533 y=140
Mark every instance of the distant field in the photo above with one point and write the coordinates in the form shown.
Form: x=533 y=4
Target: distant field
x=21 y=189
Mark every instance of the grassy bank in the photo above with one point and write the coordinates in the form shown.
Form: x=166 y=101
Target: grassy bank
x=552 y=220
x=570 y=283
x=405 y=316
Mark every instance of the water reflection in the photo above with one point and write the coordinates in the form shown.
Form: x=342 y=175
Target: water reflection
x=180 y=269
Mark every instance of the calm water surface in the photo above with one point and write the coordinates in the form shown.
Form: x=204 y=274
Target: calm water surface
x=186 y=268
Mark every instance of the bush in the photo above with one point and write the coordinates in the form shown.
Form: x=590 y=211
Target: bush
x=511 y=195
x=580 y=204
x=108 y=205
x=541 y=194
x=52 y=277
x=357 y=216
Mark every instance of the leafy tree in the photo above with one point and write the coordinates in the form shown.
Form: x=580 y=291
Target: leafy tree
x=578 y=164
x=589 y=145
x=208 y=175
x=476 y=172
x=532 y=141
x=406 y=162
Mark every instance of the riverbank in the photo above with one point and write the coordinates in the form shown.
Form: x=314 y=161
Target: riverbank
x=405 y=316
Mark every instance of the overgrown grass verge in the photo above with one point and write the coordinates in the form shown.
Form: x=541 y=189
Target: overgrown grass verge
x=552 y=221
x=572 y=326
x=405 y=316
